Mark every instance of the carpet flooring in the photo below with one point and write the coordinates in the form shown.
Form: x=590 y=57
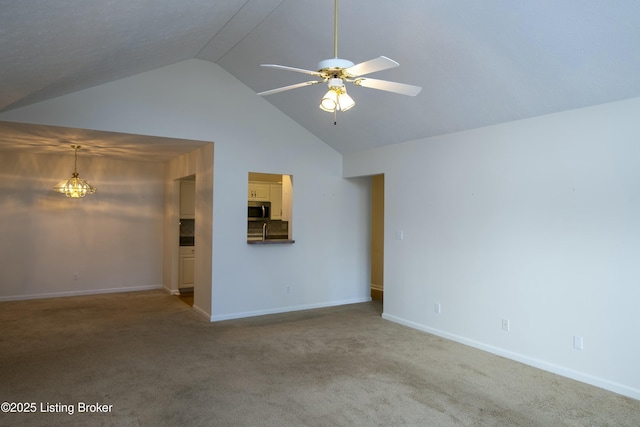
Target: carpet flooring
x=146 y=359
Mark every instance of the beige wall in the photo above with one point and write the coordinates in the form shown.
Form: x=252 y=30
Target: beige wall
x=200 y=164
x=197 y=100
x=55 y=246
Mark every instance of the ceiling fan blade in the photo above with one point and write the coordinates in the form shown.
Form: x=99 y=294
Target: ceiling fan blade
x=400 y=88
x=295 y=86
x=371 y=66
x=297 y=70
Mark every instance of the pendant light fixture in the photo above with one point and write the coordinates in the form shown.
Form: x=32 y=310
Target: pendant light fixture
x=75 y=187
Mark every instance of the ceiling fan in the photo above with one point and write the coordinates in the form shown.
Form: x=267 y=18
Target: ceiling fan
x=336 y=72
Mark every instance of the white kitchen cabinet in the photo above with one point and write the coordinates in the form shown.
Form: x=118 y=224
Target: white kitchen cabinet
x=186 y=269
x=258 y=192
x=187 y=199
x=275 y=197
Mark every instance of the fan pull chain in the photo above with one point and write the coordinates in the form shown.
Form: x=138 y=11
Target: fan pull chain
x=335 y=116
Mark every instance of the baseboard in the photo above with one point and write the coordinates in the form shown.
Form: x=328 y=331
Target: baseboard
x=80 y=293
x=583 y=377
x=201 y=312
x=198 y=310
x=171 y=291
x=220 y=317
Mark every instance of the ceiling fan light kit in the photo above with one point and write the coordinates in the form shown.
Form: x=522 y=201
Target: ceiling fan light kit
x=336 y=98
x=336 y=71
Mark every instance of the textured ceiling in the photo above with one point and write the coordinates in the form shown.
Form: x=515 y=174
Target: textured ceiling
x=40 y=139
x=479 y=62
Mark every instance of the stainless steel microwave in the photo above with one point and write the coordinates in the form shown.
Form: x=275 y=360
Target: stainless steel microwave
x=259 y=211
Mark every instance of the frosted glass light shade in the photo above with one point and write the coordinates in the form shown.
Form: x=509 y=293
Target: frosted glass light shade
x=329 y=101
x=336 y=99
x=345 y=101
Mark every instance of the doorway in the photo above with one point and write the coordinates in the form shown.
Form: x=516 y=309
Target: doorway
x=377 y=238
x=187 y=239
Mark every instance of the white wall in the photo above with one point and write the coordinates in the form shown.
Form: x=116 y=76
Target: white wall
x=328 y=264
x=111 y=239
x=535 y=221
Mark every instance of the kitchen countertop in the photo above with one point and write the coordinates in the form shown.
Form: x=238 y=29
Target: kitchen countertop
x=259 y=241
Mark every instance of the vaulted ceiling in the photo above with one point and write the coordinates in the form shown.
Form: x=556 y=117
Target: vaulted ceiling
x=479 y=62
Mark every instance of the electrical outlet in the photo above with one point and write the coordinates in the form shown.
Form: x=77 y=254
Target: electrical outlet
x=578 y=343
x=437 y=308
x=288 y=289
x=399 y=235
x=75 y=276
x=505 y=325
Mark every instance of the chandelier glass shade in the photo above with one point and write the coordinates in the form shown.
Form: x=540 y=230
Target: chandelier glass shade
x=75 y=187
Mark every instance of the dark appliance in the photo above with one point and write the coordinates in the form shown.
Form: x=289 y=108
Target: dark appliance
x=187 y=232
x=259 y=211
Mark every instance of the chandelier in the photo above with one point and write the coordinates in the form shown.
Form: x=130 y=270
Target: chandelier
x=75 y=187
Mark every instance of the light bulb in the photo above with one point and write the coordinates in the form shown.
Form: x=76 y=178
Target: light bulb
x=329 y=101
